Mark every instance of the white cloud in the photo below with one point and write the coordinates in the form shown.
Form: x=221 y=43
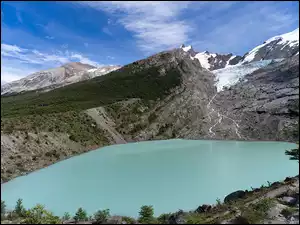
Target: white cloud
x=10 y=48
x=238 y=32
x=83 y=59
x=156 y=25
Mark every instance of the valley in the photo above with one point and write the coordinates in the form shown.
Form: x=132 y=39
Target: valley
x=168 y=95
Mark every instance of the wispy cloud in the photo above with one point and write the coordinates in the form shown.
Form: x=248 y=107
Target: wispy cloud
x=9 y=74
x=252 y=23
x=19 y=17
x=49 y=37
x=213 y=26
x=107 y=31
x=155 y=25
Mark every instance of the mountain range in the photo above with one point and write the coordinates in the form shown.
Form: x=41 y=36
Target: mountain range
x=57 y=77
x=178 y=93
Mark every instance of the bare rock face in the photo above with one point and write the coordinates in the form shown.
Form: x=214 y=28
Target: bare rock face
x=262 y=106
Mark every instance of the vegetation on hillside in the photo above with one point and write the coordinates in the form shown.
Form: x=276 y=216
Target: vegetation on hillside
x=80 y=127
x=131 y=81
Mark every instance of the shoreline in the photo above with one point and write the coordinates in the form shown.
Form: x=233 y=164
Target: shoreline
x=95 y=147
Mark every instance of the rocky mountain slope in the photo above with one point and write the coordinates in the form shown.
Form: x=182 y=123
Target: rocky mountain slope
x=168 y=95
x=53 y=78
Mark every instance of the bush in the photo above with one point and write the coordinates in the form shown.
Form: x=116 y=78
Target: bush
x=80 y=215
x=19 y=209
x=287 y=212
x=293 y=153
x=255 y=213
x=146 y=214
x=164 y=218
x=128 y=220
x=101 y=216
x=152 y=117
x=3 y=209
x=38 y=215
x=66 y=216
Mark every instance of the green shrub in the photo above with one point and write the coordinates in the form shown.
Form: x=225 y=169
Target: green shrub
x=128 y=220
x=293 y=153
x=19 y=208
x=38 y=215
x=164 y=218
x=3 y=209
x=101 y=216
x=287 y=212
x=255 y=213
x=146 y=214
x=66 y=216
x=80 y=215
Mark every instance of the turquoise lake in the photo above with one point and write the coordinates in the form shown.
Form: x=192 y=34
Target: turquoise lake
x=170 y=175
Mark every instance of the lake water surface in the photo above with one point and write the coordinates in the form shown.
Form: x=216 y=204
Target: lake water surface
x=170 y=175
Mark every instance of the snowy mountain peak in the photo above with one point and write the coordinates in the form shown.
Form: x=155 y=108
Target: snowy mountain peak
x=281 y=46
x=211 y=61
x=186 y=49
x=291 y=37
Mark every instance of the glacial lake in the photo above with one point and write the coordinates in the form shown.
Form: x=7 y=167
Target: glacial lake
x=170 y=175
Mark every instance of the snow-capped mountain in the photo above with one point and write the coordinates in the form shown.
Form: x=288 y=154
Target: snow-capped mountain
x=281 y=46
x=57 y=77
x=212 y=61
x=230 y=69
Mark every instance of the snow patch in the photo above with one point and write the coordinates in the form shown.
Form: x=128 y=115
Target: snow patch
x=231 y=75
x=203 y=59
x=186 y=49
x=92 y=70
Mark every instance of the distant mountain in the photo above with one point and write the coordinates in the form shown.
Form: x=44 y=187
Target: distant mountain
x=57 y=77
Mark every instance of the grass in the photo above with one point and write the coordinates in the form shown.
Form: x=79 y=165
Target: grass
x=257 y=212
x=287 y=212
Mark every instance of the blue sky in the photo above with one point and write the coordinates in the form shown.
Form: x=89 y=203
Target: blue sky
x=43 y=35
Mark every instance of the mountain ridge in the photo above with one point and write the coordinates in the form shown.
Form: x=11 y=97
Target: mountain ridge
x=56 y=77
